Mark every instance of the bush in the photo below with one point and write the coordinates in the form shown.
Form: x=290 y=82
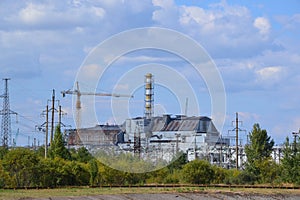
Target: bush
x=198 y=172
x=220 y=174
x=22 y=166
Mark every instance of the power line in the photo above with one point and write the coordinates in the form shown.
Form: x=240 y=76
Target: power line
x=53 y=109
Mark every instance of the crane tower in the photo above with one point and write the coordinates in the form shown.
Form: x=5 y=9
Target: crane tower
x=78 y=94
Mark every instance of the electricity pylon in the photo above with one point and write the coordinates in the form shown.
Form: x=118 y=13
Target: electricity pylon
x=6 y=121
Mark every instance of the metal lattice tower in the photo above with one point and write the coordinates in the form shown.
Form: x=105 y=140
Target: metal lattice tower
x=6 y=121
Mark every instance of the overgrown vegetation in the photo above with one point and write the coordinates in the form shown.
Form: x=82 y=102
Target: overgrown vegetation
x=21 y=167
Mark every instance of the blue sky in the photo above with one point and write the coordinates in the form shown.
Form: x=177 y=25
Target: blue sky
x=254 y=44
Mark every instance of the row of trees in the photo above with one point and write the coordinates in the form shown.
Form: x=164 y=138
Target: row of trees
x=22 y=167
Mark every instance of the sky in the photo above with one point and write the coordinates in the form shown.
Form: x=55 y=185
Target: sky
x=253 y=43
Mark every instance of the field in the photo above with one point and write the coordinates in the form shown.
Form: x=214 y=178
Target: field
x=150 y=193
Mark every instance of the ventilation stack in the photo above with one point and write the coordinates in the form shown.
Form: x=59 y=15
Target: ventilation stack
x=149 y=96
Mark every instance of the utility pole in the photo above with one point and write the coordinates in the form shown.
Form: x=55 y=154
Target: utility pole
x=52 y=117
x=237 y=130
x=295 y=134
x=59 y=115
x=6 y=121
x=237 y=139
x=52 y=123
x=221 y=156
x=46 y=133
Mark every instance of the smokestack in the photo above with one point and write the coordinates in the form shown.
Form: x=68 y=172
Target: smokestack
x=149 y=96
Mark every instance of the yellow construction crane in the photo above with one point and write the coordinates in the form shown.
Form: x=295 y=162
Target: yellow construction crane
x=79 y=93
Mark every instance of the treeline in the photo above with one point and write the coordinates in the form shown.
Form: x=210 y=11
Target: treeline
x=21 y=167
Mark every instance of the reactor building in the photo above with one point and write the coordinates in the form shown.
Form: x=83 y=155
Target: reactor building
x=155 y=136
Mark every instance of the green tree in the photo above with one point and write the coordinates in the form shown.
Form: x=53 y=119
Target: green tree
x=258 y=151
x=64 y=175
x=59 y=172
x=48 y=173
x=3 y=151
x=291 y=162
x=198 y=172
x=93 y=169
x=270 y=172
x=40 y=152
x=83 y=155
x=57 y=148
x=80 y=172
x=21 y=164
x=5 y=179
x=260 y=146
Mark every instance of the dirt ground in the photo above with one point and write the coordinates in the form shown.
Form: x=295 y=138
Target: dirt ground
x=179 y=196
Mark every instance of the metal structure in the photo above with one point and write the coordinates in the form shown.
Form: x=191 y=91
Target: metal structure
x=78 y=93
x=237 y=150
x=50 y=122
x=137 y=142
x=149 y=96
x=6 y=121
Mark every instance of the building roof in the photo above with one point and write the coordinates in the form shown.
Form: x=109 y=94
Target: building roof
x=104 y=127
x=199 y=124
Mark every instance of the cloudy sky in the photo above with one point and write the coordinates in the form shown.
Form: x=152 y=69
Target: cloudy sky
x=254 y=44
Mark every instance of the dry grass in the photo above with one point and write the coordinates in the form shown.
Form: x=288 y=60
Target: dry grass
x=84 y=191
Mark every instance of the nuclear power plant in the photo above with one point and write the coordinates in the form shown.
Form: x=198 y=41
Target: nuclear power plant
x=147 y=137
x=159 y=137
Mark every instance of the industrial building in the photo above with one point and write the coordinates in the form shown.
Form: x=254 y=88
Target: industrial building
x=100 y=135
x=155 y=137
x=160 y=137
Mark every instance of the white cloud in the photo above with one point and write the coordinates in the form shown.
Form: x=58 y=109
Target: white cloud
x=166 y=14
x=196 y=14
x=54 y=15
x=270 y=75
x=110 y=3
x=32 y=13
x=224 y=30
x=163 y=3
x=263 y=25
x=99 y=12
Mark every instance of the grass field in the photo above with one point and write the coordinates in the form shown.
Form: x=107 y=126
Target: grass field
x=85 y=191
